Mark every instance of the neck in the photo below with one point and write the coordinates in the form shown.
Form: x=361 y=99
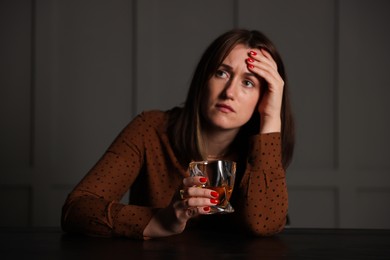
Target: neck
x=217 y=143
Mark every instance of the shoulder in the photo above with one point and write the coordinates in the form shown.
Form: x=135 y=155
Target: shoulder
x=144 y=124
x=153 y=117
x=157 y=119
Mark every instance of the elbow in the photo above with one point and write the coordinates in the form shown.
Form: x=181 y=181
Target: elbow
x=265 y=229
x=86 y=215
x=268 y=222
x=73 y=218
x=66 y=224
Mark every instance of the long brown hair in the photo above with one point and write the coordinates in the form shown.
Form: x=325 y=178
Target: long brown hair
x=184 y=125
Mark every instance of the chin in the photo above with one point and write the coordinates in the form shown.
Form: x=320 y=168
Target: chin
x=225 y=126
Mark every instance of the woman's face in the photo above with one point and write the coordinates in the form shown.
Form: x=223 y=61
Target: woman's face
x=232 y=92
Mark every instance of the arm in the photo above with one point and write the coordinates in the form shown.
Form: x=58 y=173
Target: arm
x=262 y=64
x=93 y=206
x=266 y=197
x=265 y=200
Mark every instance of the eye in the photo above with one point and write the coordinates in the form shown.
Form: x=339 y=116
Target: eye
x=248 y=83
x=221 y=74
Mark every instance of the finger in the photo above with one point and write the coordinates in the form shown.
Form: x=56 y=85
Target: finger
x=200 y=202
x=266 y=72
x=185 y=211
x=263 y=62
x=263 y=56
x=269 y=57
x=194 y=181
x=264 y=65
x=192 y=212
x=204 y=210
x=270 y=74
x=201 y=192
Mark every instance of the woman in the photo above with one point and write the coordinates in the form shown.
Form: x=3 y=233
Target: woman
x=238 y=109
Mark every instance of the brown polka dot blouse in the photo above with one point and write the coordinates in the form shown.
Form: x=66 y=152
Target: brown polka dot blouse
x=141 y=159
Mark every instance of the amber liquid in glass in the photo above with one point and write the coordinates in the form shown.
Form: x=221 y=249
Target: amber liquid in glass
x=224 y=193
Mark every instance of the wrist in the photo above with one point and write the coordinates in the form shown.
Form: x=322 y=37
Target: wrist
x=270 y=124
x=164 y=223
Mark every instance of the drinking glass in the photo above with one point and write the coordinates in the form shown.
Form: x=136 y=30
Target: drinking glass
x=220 y=176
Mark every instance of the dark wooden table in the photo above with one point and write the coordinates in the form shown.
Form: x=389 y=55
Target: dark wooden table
x=51 y=243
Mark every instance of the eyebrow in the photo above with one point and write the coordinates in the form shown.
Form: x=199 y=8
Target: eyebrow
x=248 y=74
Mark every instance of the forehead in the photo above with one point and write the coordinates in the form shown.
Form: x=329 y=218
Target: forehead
x=236 y=60
x=238 y=54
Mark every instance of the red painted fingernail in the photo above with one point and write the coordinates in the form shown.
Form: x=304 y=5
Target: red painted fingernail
x=253 y=53
x=214 y=194
x=251 y=66
x=203 y=179
x=206 y=208
x=250 y=60
x=214 y=201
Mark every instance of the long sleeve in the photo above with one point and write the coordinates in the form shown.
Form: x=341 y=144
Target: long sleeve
x=263 y=187
x=134 y=161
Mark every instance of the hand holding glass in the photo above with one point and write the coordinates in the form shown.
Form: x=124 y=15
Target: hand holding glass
x=220 y=176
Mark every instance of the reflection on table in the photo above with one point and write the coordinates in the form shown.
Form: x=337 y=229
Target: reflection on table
x=51 y=243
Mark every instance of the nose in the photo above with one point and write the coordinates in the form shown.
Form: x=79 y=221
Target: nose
x=229 y=91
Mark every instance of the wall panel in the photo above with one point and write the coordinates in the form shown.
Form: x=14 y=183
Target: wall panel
x=92 y=92
x=304 y=32
x=171 y=36
x=363 y=118
x=313 y=207
x=83 y=95
x=373 y=208
x=15 y=83
x=16 y=201
x=364 y=84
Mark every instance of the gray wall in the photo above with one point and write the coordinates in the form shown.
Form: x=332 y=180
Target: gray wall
x=73 y=73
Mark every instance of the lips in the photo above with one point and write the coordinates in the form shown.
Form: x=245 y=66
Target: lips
x=225 y=108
